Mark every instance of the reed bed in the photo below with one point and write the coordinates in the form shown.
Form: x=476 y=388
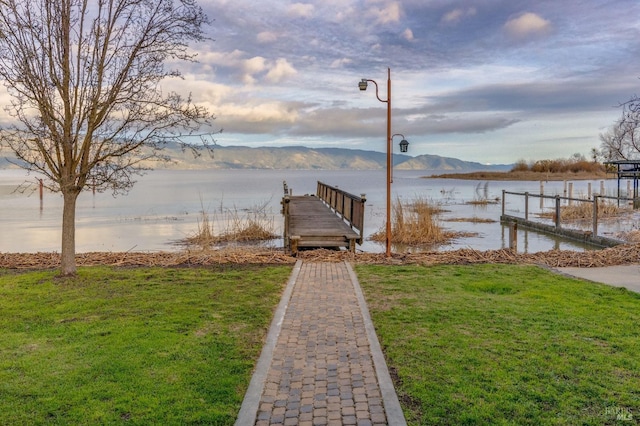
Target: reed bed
x=255 y=225
x=415 y=223
x=632 y=236
x=584 y=211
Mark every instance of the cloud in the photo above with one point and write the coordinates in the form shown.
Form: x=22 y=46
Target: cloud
x=301 y=10
x=456 y=15
x=387 y=13
x=248 y=70
x=281 y=70
x=527 y=24
x=266 y=37
x=407 y=34
x=339 y=63
x=254 y=65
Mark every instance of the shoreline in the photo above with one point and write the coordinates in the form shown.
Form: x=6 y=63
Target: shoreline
x=522 y=176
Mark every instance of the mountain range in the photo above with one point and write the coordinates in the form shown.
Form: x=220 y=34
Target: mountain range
x=302 y=158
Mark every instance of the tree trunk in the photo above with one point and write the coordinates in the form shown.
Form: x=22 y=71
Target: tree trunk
x=68 y=258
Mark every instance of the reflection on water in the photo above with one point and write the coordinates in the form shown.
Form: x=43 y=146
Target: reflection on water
x=165 y=206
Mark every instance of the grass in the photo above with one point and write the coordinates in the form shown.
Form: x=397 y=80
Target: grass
x=506 y=345
x=136 y=346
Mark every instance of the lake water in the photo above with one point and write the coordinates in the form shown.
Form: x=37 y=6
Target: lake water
x=166 y=205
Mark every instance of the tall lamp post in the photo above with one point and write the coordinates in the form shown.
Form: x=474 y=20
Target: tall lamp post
x=403 y=146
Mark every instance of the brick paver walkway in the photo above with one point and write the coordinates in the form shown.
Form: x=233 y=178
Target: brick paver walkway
x=321 y=370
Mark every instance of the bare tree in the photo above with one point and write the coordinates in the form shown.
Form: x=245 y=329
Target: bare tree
x=622 y=140
x=85 y=80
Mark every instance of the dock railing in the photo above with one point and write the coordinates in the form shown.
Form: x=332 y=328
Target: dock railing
x=590 y=236
x=348 y=206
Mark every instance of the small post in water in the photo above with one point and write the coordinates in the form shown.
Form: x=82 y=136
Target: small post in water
x=570 y=193
x=595 y=215
x=513 y=236
x=41 y=187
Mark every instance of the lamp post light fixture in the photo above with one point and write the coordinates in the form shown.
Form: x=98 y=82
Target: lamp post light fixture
x=404 y=145
x=362 y=85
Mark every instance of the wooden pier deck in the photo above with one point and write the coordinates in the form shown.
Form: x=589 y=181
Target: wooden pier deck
x=331 y=219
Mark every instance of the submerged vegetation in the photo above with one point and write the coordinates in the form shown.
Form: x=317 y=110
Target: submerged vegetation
x=232 y=226
x=584 y=211
x=415 y=223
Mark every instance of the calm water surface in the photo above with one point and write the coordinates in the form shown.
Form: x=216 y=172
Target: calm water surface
x=167 y=205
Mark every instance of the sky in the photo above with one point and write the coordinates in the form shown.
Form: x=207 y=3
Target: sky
x=494 y=81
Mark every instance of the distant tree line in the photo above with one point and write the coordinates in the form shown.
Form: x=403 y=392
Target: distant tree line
x=575 y=164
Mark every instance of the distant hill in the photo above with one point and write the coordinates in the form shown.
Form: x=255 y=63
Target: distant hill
x=447 y=164
x=303 y=158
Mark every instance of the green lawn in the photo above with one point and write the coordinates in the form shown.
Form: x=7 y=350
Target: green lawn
x=137 y=346
x=507 y=345
x=476 y=345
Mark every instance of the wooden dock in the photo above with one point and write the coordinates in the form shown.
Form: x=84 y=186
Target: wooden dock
x=330 y=219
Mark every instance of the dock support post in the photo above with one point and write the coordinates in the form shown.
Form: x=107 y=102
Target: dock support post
x=557 y=212
x=526 y=206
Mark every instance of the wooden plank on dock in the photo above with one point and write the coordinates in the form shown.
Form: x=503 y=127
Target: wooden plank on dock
x=312 y=223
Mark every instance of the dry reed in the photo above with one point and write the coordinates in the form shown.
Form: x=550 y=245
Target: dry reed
x=256 y=225
x=414 y=224
x=631 y=236
x=620 y=255
x=583 y=210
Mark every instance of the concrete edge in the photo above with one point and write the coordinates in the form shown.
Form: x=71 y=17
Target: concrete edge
x=392 y=407
x=251 y=402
